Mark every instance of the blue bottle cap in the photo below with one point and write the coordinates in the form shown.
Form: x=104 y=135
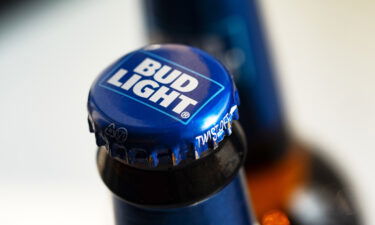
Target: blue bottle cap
x=162 y=105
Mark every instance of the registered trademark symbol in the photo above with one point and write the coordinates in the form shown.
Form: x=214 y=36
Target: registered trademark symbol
x=185 y=115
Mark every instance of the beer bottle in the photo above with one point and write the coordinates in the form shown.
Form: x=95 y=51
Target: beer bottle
x=170 y=149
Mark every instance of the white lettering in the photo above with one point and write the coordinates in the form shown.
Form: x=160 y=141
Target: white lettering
x=147 y=67
x=114 y=80
x=153 y=89
x=161 y=78
x=167 y=98
x=184 y=103
x=198 y=139
x=206 y=137
x=216 y=131
x=131 y=81
x=141 y=90
x=213 y=131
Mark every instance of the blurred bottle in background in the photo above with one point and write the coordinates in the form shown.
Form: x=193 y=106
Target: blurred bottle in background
x=282 y=173
x=151 y=111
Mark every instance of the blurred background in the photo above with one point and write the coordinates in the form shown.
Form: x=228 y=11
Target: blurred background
x=51 y=51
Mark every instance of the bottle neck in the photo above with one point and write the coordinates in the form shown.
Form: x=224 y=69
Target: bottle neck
x=210 y=190
x=177 y=186
x=228 y=206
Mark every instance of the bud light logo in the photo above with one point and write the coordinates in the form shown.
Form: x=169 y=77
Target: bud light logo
x=165 y=86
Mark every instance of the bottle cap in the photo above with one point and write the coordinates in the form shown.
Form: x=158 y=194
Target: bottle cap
x=162 y=105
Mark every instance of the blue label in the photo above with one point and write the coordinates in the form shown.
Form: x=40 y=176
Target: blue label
x=165 y=86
